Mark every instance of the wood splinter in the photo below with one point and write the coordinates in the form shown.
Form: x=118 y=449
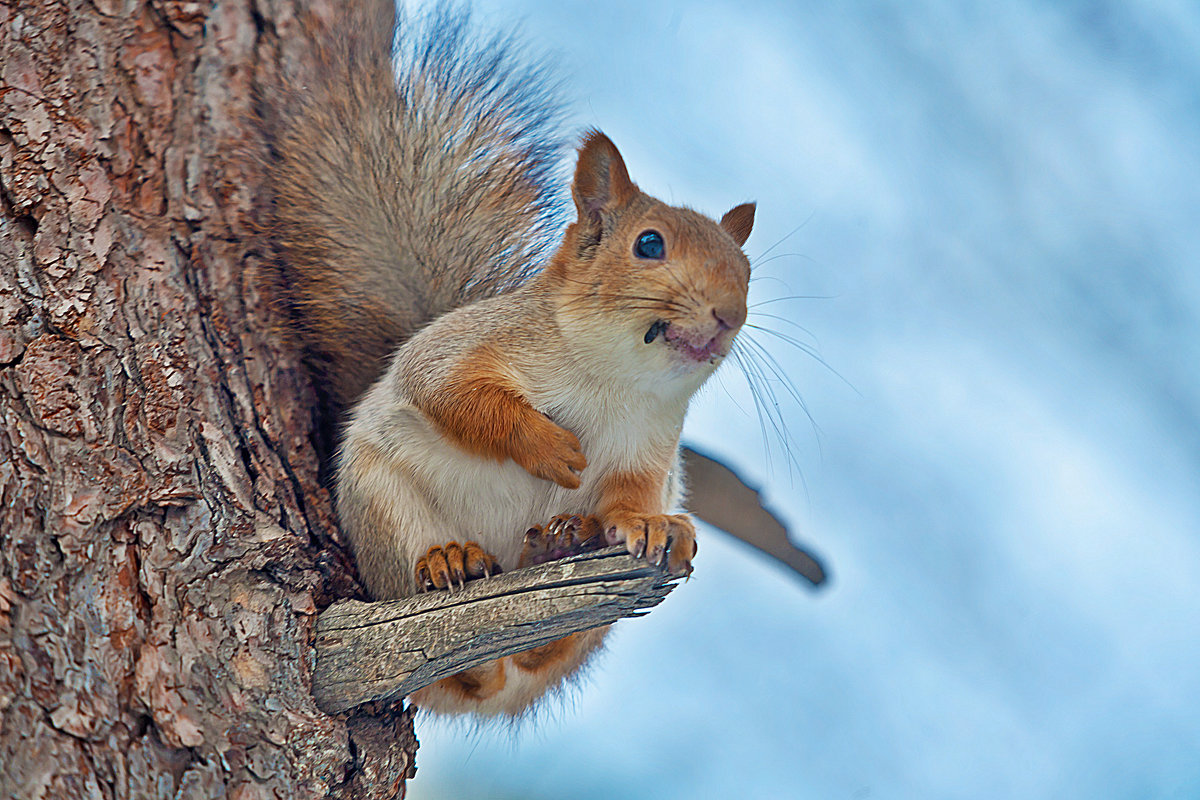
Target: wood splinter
x=367 y=652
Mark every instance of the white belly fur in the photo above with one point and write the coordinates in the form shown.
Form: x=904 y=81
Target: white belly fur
x=493 y=502
x=420 y=490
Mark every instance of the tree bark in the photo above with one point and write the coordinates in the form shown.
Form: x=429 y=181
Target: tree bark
x=165 y=544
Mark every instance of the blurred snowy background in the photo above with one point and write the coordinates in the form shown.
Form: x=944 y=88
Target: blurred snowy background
x=999 y=208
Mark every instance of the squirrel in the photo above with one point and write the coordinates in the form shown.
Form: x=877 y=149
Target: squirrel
x=485 y=391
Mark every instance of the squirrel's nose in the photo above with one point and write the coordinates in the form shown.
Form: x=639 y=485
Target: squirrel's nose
x=729 y=316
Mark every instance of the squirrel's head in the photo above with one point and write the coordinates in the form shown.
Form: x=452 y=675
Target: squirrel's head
x=665 y=286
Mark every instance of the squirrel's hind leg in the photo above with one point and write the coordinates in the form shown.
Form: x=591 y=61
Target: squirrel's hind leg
x=512 y=685
x=509 y=686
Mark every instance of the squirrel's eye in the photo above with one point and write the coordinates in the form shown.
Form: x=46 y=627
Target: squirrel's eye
x=650 y=245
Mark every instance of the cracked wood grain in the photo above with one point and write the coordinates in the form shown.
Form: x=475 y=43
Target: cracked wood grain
x=370 y=652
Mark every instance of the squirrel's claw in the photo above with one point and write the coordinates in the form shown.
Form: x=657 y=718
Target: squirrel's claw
x=564 y=535
x=550 y=452
x=444 y=567
x=669 y=538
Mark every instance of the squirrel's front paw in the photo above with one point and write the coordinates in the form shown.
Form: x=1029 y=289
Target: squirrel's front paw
x=656 y=536
x=565 y=535
x=550 y=452
x=442 y=567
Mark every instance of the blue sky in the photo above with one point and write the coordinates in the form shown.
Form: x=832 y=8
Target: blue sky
x=999 y=211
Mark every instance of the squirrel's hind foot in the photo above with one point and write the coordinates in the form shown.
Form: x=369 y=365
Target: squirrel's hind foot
x=564 y=535
x=669 y=538
x=443 y=567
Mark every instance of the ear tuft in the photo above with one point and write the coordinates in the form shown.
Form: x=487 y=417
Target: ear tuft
x=601 y=179
x=738 y=221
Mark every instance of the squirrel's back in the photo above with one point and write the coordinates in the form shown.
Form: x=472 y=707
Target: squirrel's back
x=411 y=174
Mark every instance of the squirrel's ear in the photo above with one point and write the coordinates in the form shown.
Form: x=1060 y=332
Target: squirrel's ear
x=738 y=221
x=601 y=180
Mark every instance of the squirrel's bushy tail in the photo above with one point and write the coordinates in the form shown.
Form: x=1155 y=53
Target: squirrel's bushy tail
x=412 y=172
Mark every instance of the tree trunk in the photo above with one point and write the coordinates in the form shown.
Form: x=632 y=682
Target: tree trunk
x=164 y=541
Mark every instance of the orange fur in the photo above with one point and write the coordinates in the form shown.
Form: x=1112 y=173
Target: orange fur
x=606 y=345
x=540 y=668
x=469 y=686
x=415 y=222
x=631 y=509
x=484 y=413
x=632 y=491
x=510 y=685
x=549 y=656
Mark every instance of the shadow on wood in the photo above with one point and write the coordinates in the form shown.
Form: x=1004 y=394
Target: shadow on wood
x=383 y=651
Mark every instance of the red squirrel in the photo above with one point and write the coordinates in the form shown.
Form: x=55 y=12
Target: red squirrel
x=558 y=398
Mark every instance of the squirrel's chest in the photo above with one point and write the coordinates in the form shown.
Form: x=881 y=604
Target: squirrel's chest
x=616 y=433
x=628 y=439
x=506 y=500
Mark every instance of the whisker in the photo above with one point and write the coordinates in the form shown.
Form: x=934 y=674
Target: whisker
x=773 y=365
x=775 y=278
x=759 y=262
x=760 y=412
x=784 y=320
x=807 y=350
x=660 y=301
x=767 y=405
x=768 y=363
x=789 y=235
x=719 y=376
x=792 y=297
x=792 y=340
x=687 y=287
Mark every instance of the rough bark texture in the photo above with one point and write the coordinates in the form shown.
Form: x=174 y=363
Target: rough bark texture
x=164 y=542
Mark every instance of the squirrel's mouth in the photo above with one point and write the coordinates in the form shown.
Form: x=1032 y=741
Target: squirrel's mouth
x=696 y=346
